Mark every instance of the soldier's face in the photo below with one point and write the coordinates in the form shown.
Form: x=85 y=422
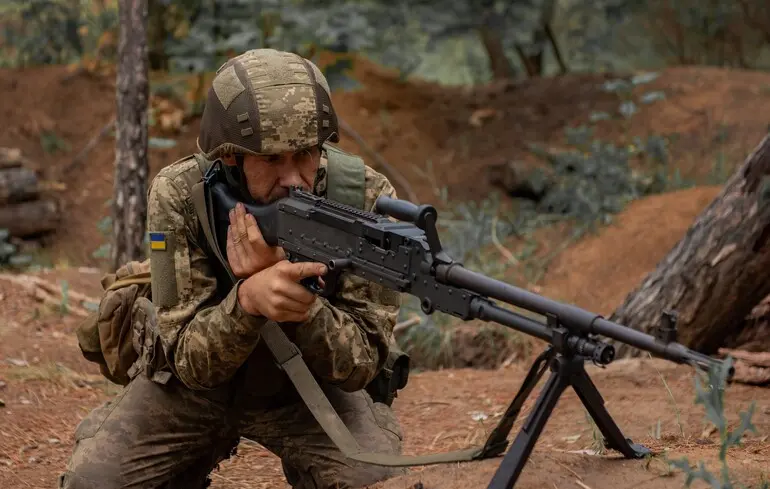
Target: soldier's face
x=270 y=177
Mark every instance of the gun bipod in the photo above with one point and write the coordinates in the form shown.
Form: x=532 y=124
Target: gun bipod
x=567 y=370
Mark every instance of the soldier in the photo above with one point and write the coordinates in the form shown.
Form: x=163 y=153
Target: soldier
x=207 y=379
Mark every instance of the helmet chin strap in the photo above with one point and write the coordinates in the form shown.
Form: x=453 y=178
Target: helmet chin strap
x=236 y=178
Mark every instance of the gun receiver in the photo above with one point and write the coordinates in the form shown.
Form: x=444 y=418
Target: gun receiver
x=407 y=256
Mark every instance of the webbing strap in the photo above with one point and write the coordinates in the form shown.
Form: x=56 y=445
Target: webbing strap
x=138 y=278
x=201 y=209
x=289 y=358
x=345 y=177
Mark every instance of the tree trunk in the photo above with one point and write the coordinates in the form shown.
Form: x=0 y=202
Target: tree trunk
x=30 y=218
x=718 y=272
x=156 y=35
x=131 y=168
x=498 y=62
x=17 y=185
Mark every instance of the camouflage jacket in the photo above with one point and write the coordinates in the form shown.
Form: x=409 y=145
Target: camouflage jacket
x=207 y=338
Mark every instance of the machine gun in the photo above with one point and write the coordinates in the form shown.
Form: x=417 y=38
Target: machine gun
x=407 y=256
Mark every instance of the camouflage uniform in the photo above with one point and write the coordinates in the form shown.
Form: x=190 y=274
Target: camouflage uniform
x=222 y=383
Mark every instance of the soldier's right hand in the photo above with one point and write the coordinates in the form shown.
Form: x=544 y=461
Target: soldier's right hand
x=276 y=293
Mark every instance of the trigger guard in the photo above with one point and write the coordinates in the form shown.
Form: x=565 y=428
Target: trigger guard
x=311 y=283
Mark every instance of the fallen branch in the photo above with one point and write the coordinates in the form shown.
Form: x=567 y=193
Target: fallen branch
x=52 y=294
x=502 y=249
x=752 y=368
x=758 y=359
x=403 y=325
x=750 y=374
x=90 y=145
x=390 y=170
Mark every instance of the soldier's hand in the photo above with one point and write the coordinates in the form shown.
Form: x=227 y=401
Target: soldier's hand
x=276 y=293
x=247 y=252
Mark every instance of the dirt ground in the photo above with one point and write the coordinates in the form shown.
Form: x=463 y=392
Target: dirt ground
x=46 y=387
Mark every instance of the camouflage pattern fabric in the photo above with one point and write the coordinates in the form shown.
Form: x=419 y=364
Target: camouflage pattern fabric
x=153 y=436
x=225 y=383
x=266 y=101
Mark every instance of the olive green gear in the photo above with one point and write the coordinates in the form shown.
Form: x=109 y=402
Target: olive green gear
x=266 y=101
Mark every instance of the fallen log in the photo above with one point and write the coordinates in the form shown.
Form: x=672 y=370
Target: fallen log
x=12 y=158
x=717 y=272
x=17 y=185
x=52 y=294
x=30 y=218
x=751 y=368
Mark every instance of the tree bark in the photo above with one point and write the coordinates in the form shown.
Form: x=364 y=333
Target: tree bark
x=718 y=272
x=131 y=168
x=499 y=64
x=30 y=218
x=17 y=185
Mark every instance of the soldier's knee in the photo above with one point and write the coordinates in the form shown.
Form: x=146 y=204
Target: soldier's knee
x=84 y=477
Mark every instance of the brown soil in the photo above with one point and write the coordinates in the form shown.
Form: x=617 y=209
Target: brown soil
x=599 y=271
x=47 y=396
x=48 y=387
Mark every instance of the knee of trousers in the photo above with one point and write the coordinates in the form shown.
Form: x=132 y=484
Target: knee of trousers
x=83 y=476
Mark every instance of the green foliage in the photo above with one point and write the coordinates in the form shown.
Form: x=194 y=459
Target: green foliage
x=10 y=257
x=34 y=32
x=615 y=35
x=304 y=26
x=709 y=392
x=399 y=34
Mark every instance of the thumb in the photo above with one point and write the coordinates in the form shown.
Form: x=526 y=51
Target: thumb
x=305 y=269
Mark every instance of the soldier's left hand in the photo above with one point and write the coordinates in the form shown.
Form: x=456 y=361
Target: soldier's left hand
x=247 y=251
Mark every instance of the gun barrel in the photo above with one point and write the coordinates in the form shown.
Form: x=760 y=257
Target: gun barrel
x=570 y=316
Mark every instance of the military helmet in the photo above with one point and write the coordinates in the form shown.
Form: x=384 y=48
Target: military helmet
x=266 y=102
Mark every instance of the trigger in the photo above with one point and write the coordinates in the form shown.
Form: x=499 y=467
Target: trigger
x=330 y=284
x=311 y=283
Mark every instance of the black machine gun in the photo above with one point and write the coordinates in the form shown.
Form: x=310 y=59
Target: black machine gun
x=407 y=256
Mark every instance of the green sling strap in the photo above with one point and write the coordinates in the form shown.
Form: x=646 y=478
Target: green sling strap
x=345 y=184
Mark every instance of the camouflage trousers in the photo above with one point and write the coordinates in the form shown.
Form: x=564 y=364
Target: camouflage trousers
x=167 y=436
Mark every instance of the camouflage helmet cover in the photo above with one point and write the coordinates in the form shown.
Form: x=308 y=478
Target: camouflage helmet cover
x=265 y=102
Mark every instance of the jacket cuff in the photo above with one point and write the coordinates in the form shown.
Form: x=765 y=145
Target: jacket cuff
x=244 y=322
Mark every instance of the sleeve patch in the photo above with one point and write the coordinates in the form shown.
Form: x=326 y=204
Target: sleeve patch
x=158 y=241
x=163 y=269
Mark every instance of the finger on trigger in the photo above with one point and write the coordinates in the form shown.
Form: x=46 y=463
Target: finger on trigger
x=305 y=269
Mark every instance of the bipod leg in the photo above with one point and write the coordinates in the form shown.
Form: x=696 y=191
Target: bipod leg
x=594 y=404
x=498 y=439
x=513 y=462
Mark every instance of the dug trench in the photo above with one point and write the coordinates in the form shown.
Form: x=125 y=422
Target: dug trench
x=46 y=387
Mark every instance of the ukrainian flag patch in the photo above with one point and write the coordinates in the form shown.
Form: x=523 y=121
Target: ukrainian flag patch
x=158 y=241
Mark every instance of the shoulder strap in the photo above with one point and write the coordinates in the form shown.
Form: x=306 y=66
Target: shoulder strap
x=345 y=177
x=200 y=200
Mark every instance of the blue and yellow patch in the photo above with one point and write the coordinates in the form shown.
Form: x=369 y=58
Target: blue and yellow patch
x=158 y=241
